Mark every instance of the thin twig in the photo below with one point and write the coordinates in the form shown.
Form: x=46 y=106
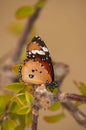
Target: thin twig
x=62 y=97
x=26 y=33
x=79 y=116
x=76 y=97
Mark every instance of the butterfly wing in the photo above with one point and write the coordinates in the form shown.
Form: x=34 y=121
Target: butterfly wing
x=38 y=69
x=38 y=50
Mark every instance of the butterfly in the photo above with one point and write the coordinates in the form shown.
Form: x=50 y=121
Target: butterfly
x=37 y=68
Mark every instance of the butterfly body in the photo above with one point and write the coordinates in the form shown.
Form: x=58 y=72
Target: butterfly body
x=38 y=68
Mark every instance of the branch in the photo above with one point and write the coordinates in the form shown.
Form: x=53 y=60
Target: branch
x=35 y=114
x=34 y=121
x=79 y=116
x=75 y=97
x=65 y=99
x=45 y=99
x=28 y=28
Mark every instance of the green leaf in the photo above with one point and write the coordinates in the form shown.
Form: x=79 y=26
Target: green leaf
x=24 y=110
x=55 y=91
x=4 y=100
x=15 y=87
x=24 y=12
x=14 y=107
x=28 y=119
x=19 y=128
x=82 y=87
x=9 y=125
x=55 y=118
x=28 y=88
x=41 y=3
x=15 y=68
x=13 y=116
x=21 y=99
x=21 y=119
x=55 y=107
x=29 y=97
x=16 y=28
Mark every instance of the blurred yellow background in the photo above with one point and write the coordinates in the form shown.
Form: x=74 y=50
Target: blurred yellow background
x=62 y=24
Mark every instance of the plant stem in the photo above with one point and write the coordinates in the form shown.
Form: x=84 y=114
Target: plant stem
x=34 y=121
x=27 y=30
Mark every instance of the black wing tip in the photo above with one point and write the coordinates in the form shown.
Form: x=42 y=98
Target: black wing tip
x=38 y=40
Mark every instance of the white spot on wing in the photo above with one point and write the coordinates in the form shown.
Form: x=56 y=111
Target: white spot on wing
x=45 y=49
x=46 y=58
x=38 y=52
x=33 y=56
x=29 y=52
